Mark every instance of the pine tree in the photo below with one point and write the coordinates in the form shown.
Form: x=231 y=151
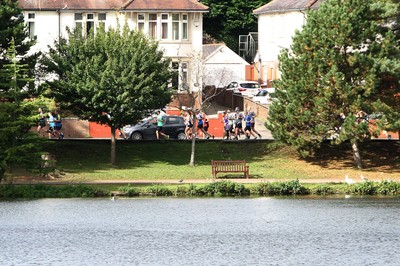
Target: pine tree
x=118 y=72
x=12 y=26
x=334 y=71
x=18 y=146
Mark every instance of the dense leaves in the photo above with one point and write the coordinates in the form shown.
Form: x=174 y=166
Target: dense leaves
x=228 y=19
x=112 y=77
x=18 y=146
x=338 y=65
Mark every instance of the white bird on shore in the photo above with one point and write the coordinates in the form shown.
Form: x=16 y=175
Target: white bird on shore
x=348 y=180
x=363 y=178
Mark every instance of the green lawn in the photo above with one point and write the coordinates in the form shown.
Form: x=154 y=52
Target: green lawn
x=89 y=160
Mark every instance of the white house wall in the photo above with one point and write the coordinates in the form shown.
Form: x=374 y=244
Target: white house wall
x=49 y=25
x=275 y=33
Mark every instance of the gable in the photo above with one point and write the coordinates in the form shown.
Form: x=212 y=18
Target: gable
x=221 y=54
x=287 y=5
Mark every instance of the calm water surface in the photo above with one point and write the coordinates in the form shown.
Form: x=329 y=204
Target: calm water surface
x=209 y=231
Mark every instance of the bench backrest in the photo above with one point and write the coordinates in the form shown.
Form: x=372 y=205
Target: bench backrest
x=238 y=165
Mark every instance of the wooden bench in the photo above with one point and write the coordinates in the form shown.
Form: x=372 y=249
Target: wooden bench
x=230 y=167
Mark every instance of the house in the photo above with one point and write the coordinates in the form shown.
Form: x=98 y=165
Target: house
x=176 y=24
x=277 y=22
x=222 y=65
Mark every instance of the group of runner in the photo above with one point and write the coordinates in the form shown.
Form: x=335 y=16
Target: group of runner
x=202 y=124
x=233 y=124
x=53 y=121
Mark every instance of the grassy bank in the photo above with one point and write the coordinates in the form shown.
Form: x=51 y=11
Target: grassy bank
x=213 y=189
x=269 y=160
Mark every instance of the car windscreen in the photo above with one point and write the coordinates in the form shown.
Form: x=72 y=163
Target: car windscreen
x=262 y=93
x=250 y=85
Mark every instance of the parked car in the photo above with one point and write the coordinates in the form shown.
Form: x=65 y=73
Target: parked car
x=244 y=87
x=264 y=96
x=174 y=126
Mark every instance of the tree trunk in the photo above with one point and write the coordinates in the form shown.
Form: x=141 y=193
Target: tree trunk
x=112 y=146
x=356 y=154
x=194 y=135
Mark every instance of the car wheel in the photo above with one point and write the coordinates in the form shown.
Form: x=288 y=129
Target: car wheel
x=181 y=135
x=136 y=136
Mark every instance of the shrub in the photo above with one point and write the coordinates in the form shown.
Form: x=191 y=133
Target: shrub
x=159 y=191
x=129 y=191
x=365 y=188
x=49 y=191
x=388 y=187
x=225 y=188
x=323 y=190
x=281 y=188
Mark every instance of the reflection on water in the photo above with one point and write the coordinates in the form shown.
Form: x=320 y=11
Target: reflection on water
x=201 y=231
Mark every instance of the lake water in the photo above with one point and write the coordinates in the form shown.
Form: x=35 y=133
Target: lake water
x=201 y=231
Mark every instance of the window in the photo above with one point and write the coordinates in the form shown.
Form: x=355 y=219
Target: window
x=89 y=23
x=102 y=19
x=185 y=27
x=140 y=22
x=153 y=25
x=164 y=26
x=31 y=25
x=175 y=26
x=78 y=21
x=175 y=78
x=180 y=77
x=184 y=70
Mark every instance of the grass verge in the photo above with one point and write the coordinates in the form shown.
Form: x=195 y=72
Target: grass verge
x=168 y=160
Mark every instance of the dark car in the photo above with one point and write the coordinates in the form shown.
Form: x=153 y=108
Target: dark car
x=174 y=126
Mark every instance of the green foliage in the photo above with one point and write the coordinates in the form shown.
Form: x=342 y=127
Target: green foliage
x=228 y=19
x=323 y=190
x=116 y=71
x=158 y=190
x=280 y=188
x=49 y=191
x=336 y=65
x=365 y=188
x=225 y=188
x=129 y=190
x=18 y=146
x=388 y=187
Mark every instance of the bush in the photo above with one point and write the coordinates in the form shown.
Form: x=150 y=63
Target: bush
x=388 y=187
x=129 y=191
x=49 y=191
x=159 y=191
x=225 y=188
x=323 y=190
x=281 y=188
x=365 y=188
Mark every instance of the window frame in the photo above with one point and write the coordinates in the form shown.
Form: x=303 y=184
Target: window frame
x=153 y=25
x=31 y=23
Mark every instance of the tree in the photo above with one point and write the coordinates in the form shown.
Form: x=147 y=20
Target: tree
x=197 y=97
x=336 y=68
x=228 y=19
x=12 y=26
x=18 y=146
x=118 y=72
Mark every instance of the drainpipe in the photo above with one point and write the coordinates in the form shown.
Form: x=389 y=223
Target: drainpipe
x=59 y=23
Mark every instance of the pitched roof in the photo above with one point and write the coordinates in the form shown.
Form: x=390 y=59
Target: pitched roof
x=182 y=5
x=209 y=49
x=191 y=5
x=287 y=5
